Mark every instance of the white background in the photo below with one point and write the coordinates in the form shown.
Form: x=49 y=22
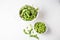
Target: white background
x=11 y=25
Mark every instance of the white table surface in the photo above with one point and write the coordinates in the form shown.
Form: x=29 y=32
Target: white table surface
x=11 y=25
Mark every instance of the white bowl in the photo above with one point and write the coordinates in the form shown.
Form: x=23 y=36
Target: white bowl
x=31 y=20
x=44 y=32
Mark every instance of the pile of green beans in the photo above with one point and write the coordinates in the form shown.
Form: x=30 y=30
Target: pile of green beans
x=28 y=13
